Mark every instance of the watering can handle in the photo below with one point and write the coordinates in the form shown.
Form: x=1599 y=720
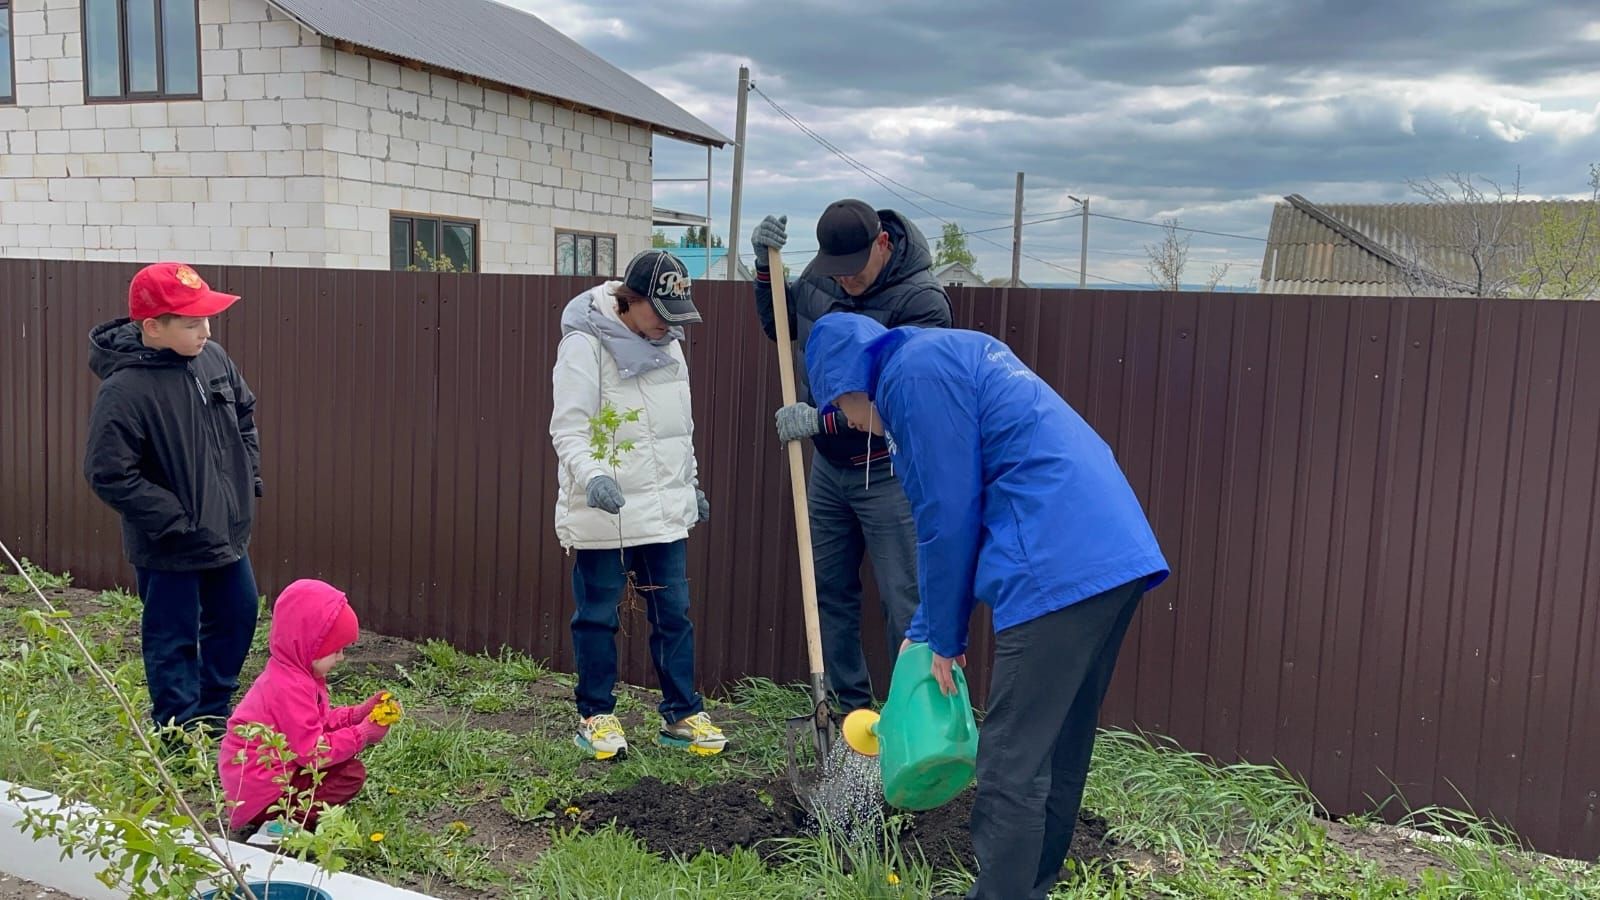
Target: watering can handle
x=959 y=729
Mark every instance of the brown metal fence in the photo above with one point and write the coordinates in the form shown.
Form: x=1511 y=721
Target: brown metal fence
x=1381 y=512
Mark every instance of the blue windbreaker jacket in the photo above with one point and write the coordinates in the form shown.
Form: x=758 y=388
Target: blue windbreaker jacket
x=1018 y=502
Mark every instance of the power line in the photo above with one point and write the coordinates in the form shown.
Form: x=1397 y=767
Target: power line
x=1072 y=271
x=1056 y=248
x=1242 y=237
x=1034 y=222
x=867 y=170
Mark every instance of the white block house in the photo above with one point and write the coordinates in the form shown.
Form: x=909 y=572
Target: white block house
x=338 y=133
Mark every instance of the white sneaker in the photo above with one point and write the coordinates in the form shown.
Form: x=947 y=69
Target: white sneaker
x=602 y=736
x=695 y=734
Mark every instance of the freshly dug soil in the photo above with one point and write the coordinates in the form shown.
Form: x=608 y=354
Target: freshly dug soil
x=671 y=819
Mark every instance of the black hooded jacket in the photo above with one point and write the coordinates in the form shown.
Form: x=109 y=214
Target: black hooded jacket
x=906 y=293
x=173 y=449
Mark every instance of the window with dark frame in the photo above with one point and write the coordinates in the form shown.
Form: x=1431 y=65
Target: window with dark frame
x=432 y=244
x=584 y=253
x=141 y=50
x=8 y=78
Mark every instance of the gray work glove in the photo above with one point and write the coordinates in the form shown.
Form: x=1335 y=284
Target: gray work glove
x=702 y=506
x=605 y=493
x=772 y=232
x=797 y=422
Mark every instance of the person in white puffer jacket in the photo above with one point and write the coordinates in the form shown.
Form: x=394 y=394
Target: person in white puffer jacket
x=620 y=348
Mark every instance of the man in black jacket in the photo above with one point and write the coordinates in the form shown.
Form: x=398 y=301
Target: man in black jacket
x=876 y=263
x=173 y=449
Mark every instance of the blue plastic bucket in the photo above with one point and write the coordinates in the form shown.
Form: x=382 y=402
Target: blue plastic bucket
x=269 y=890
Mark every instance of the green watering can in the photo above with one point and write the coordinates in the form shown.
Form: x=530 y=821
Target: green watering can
x=926 y=743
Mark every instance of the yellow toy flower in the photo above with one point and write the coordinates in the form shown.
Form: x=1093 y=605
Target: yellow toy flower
x=387 y=712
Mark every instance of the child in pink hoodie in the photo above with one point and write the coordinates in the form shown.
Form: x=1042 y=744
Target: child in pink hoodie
x=312 y=623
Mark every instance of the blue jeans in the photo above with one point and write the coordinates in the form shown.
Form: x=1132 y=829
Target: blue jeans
x=196 y=629
x=850 y=518
x=598 y=579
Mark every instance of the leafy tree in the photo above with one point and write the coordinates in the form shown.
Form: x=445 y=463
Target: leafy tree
x=952 y=248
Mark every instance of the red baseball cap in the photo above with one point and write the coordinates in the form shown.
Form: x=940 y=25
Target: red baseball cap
x=173 y=288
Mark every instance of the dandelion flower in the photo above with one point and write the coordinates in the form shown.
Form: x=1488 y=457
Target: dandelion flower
x=377 y=837
x=572 y=810
x=893 y=878
x=460 y=827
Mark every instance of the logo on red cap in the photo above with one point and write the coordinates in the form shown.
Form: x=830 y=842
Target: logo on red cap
x=189 y=278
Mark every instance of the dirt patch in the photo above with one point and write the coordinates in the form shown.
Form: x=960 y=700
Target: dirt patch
x=510 y=843
x=379 y=654
x=1395 y=853
x=942 y=836
x=80 y=603
x=513 y=721
x=14 y=888
x=672 y=819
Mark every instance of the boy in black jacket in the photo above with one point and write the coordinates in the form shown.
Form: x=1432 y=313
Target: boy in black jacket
x=173 y=449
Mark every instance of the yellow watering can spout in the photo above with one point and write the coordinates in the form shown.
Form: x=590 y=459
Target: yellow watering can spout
x=861 y=732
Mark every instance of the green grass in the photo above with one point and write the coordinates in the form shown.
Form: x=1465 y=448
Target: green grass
x=1160 y=797
x=1188 y=826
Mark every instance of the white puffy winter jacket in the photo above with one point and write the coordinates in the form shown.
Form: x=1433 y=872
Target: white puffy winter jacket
x=658 y=476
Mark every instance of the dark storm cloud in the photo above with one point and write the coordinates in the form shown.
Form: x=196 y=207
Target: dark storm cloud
x=1205 y=111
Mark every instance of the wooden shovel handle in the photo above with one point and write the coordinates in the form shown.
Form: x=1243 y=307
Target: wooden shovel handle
x=797 y=468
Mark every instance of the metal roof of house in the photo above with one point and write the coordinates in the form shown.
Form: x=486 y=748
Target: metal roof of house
x=694 y=262
x=1364 y=248
x=494 y=42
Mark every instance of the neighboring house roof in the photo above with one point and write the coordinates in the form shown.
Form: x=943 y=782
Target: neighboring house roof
x=1006 y=282
x=487 y=40
x=958 y=273
x=694 y=261
x=1391 y=249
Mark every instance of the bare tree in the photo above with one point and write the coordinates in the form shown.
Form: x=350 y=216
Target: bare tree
x=1218 y=272
x=1168 y=259
x=1479 y=223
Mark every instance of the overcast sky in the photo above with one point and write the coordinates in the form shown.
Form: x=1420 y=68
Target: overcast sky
x=1208 y=112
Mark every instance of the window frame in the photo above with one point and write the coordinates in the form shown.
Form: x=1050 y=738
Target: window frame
x=594 y=237
x=160 y=95
x=10 y=50
x=477 y=237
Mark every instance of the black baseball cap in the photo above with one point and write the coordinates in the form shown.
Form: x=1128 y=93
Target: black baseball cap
x=845 y=233
x=660 y=277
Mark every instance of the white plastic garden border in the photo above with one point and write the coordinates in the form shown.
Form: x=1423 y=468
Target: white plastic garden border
x=41 y=862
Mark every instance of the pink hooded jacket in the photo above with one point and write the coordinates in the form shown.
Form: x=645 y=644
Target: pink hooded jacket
x=292 y=700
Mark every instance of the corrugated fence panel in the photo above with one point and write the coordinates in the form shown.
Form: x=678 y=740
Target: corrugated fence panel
x=23 y=439
x=1381 y=512
x=84 y=534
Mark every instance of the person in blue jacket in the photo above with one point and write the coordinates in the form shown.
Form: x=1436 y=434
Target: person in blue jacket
x=1019 y=504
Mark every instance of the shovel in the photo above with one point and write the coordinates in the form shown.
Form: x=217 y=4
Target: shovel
x=815 y=729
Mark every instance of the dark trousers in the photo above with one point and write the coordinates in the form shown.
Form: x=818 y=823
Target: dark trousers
x=598 y=578
x=340 y=784
x=849 y=518
x=1049 y=678
x=196 y=629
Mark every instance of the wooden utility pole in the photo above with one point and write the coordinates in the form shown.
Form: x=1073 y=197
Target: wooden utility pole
x=738 y=176
x=1016 y=238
